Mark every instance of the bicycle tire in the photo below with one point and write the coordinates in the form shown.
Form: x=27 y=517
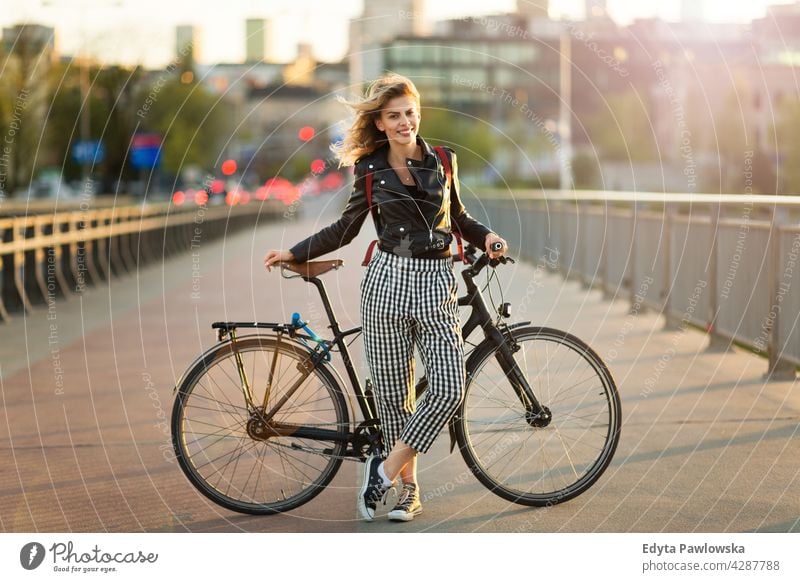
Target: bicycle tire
x=206 y=398
x=548 y=465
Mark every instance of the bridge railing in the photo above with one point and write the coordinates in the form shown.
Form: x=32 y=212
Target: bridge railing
x=727 y=264
x=47 y=256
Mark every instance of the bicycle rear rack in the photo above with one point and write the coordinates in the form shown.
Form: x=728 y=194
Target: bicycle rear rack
x=225 y=327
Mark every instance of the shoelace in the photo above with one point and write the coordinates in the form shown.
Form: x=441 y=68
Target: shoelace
x=407 y=497
x=381 y=493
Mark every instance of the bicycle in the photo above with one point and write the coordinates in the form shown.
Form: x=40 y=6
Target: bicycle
x=261 y=422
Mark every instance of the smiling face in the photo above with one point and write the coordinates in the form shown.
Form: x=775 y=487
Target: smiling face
x=400 y=120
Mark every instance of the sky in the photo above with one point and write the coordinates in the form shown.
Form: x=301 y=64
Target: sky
x=143 y=31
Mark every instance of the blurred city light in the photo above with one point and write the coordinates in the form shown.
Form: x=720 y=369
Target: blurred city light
x=318 y=166
x=201 y=197
x=306 y=133
x=217 y=186
x=229 y=167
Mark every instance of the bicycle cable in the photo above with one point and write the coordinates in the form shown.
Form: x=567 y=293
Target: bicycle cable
x=492 y=276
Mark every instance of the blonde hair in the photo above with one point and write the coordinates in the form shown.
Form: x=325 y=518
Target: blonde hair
x=363 y=137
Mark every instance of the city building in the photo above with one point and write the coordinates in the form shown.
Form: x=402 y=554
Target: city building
x=258 y=40
x=381 y=21
x=187 y=44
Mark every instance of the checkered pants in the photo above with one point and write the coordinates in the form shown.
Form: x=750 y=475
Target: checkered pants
x=407 y=301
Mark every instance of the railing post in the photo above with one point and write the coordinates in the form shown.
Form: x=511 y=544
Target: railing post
x=18 y=232
x=118 y=266
x=6 y=261
x=778 y=368
x=127 y=241
x=633 y=280
x=604 y=247
x=671 y=322
x=716 y=343
x=581 y=250
x=58 y=256
x=90 y=247
x=41 y=260
x=101 y=246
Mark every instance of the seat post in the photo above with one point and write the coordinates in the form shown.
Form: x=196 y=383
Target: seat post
x=326 y=303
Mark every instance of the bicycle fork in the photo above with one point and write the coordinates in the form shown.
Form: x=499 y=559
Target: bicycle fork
x=536 y=414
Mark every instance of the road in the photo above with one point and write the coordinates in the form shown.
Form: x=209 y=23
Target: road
x=707 y=445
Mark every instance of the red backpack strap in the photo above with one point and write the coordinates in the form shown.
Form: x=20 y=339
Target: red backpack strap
x=371 y=247
x=460 y=255
x=445 y=162
x=368 y=255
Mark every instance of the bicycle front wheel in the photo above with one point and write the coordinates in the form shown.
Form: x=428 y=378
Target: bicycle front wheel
x=236 y=459
x=497 y=436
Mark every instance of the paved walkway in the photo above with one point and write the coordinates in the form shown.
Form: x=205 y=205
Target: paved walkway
x=87 y=393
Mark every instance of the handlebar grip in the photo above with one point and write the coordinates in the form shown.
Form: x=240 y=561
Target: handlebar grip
x=496 y=246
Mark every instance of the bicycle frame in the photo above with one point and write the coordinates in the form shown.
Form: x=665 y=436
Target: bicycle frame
x=480 y=317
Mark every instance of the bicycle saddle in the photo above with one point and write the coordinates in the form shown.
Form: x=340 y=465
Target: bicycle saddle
x=311 y=269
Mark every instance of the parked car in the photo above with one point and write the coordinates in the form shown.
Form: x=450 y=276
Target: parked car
x=50 y=188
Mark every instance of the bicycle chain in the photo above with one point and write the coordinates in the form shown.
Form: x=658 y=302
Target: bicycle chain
x=296 y=447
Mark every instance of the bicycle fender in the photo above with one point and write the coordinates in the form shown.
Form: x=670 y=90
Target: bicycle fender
x=293 y=341
x=519 y=324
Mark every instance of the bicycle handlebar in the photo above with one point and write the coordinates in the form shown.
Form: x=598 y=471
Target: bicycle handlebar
x=478 y=264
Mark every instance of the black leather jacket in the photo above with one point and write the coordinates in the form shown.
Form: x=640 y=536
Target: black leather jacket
x=406 y=225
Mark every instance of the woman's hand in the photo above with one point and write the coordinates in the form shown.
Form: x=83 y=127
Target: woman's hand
x=276 y=256
x=493 y=238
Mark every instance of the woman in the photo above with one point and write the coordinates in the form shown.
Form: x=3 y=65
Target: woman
x=408 y=295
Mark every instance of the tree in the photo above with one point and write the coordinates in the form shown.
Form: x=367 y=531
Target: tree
x=112 y=118
x=22 y=100
x=193 y=123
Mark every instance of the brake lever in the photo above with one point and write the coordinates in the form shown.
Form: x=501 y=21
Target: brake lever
x=500 y=260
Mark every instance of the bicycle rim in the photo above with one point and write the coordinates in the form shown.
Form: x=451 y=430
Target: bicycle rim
x=547 y=465
x=219 y=456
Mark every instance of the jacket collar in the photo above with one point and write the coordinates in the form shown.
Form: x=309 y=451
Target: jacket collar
x=379 y=158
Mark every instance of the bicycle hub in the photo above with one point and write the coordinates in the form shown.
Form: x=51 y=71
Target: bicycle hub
x=538 y=419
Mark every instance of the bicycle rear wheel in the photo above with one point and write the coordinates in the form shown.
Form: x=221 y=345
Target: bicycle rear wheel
x=521 y=462
x=226 y=453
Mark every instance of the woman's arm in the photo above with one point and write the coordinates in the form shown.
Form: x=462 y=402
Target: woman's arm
x=334 y=236
x=464 y=224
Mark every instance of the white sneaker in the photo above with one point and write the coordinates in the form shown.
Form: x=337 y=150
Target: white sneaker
x=408 y=504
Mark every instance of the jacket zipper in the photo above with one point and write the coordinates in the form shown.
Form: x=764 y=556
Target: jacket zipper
x=407 y=195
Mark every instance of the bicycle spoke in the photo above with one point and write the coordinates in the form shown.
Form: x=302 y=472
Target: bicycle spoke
x=257 y=464
x=214 y=460
x=250 y=475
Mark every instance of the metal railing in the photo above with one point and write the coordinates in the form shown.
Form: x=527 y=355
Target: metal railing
x=723 y=263
x=47 y=256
